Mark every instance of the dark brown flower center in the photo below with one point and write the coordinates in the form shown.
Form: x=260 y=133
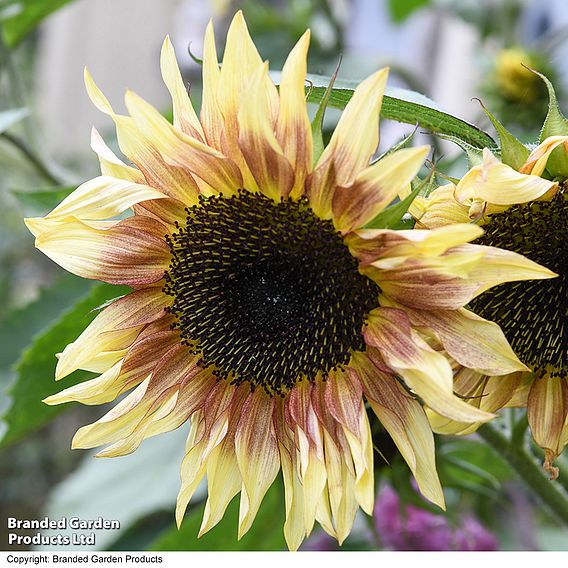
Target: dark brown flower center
x=533 y=314
x=266 y=291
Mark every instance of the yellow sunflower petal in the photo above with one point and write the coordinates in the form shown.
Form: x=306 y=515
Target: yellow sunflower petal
x=117 y=326
x=257 y=455
x=131 y=252
x=424 y=370
x=102 y=198
x=111 y=165
x=440 y=208
x=405 y=420
x=538 y=158
x=471 y=340
x=293 y=130
x=547 y=412
x=496 y=183
x=184 y=115
x=375 y=187
x=352 y=144
x=272 y=171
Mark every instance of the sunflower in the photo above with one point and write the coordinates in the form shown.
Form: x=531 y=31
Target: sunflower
x=526 y=213
x=261 y=313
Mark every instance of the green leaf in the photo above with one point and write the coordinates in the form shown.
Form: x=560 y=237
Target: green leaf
x=317 y=122
x=391 y=217
x=20 y=17
x=401 y=9
x=404 y=106
x=35 y=370
x=10 y=117
x=44 y=199
x=513 y=152
x=19 y=326
x=266 y=532
x=125 y=489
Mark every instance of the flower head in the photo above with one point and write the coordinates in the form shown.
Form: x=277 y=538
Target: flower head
x=525 y=212
x=262 y=312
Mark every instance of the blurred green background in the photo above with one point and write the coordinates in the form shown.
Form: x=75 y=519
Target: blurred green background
x=448 y=50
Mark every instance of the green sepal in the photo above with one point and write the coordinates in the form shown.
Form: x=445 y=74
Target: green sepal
x=555 y=124
x=513 y=152
x=317 y=122
x=392 y=217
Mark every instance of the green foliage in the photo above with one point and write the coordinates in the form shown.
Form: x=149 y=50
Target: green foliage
x=401 y=9
x=36 y=367
x=19 y=17
x=10 y=117
x=392 y=217
x=408 y=107
x=317 y=122
x=265 y=533
x=43 y=200
x=555 y=124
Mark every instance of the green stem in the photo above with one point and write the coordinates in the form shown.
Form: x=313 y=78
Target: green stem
x=33 y=159
x=549 y=492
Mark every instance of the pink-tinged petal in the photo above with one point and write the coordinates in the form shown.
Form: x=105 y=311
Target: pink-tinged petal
x=116 y=424
x=472 y=341
x=498 y=266
x=117 y=326
x=271 y=169
x=547 y=411
x=211 y=116
x=294 y=525
x=487 y=393
x=184 y=115
x=144 y=354
x=293 y=130
x=352 y=144
x=100 y=390
x=192 y=467
x=102 y=198
x=168 y=211
x=405 y=420
x=538 y=158
x=343 y=395
x=223 y=476
x=424 y=370
x=375 y=187
x=341 y=487
x=420 y=285
x=132 y=251
x=241 y=61
x=140 y=148
x=302 y=417
x=223 y=483
x=111 y=165
x=372 y=245
x=257 y=455
x=219 y=173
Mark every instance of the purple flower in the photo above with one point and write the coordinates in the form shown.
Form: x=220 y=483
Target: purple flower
x=407 y=527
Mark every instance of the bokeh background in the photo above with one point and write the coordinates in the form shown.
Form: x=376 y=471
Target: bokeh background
x=452 y=51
